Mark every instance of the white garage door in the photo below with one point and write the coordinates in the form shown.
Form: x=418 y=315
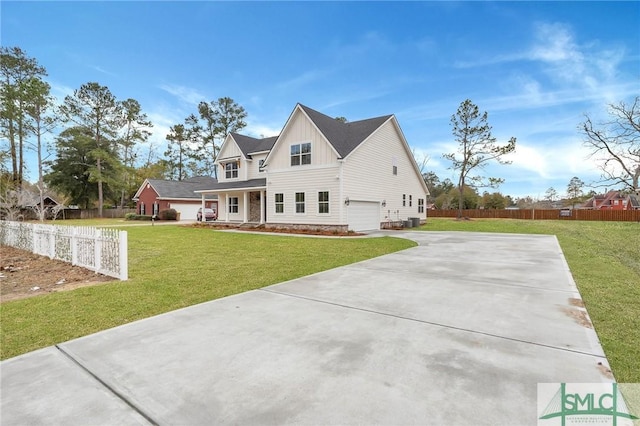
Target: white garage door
x=363 y=215
x=187 y=211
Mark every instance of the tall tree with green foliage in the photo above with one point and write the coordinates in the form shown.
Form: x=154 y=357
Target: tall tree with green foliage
x=551 y=194
x=70 y=173
x=215 y=120
x=476 y=148
x=179 y=152
x=135 y=131
x=39 y=107
x=96 y=110
x=16 y=70
x=574 y=190
x=616 y=145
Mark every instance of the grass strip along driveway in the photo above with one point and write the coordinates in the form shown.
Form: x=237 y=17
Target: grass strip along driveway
x=604 y=258
x=172 y=267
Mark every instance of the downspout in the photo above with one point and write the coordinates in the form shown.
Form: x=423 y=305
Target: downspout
x=343 y=221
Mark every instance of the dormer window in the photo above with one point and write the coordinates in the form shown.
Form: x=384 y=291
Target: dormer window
x=231 y=170
x=301 y=154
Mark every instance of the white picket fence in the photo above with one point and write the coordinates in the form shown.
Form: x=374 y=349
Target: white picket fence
x=102 y=250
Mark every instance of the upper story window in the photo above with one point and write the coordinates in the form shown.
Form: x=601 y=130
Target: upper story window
x=395 y=170
x=301 y=154
x=260 y=164
x=231 y=170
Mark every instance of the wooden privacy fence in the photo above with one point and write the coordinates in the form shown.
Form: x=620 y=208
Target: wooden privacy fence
x=546 y=214
x=93 y=213
x=100 y=250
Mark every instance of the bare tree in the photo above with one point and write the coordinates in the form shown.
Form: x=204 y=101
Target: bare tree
x=616 y=144
x=476 y=148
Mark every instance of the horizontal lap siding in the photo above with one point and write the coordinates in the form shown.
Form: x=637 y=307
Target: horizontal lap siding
x=368 y=175
x=223 y=208
x=310 y=181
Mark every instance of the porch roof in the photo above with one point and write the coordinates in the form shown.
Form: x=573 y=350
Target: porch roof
x=251 y=184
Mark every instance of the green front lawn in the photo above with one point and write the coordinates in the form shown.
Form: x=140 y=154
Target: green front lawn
x=171 y=267
x=604 y=258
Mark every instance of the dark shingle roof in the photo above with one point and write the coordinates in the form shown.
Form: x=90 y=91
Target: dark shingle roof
x=249 y=145
x=181 y=189
x=344 y=137
x=251 y=183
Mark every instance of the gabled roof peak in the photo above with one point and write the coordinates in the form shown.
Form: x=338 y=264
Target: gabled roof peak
x=344 y=137
x=248 y=144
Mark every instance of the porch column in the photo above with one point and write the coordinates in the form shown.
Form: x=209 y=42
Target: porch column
x=245 y=207
x=226 y=207
x=262 y=203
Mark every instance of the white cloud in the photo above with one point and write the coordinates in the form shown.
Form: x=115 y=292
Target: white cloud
x=301 y=80
x=185 y=94
x=259 y=130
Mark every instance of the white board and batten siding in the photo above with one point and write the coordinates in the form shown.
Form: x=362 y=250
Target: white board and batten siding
x=301 y=130
x=230 y=150
x=368 y=175
x=253 y=167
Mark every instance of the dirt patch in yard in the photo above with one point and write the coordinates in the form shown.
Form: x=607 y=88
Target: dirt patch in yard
x=24 y=274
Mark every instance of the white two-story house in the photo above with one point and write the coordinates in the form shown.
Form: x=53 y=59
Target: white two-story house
x=320 y=173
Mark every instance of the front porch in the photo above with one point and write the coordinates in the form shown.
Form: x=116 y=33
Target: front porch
x=240 y=202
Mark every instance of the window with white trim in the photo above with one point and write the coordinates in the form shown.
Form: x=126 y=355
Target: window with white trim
x=299 y=202
x=395 y=170
x=233 y=204
x=420 y=205
x=323 y=202
x=279 y=198
x=410 y=201
x=260 y=164
x=301 y=154
x=231 y=170
x=404 y=200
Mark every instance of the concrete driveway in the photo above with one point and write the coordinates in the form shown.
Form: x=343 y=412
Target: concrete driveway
x=456 y=331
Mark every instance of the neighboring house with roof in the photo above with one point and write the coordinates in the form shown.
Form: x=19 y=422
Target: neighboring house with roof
x=612 y=200
x=155 y=195
x=320 y=172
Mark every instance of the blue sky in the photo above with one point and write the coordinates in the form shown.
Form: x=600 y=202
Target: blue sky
x=535 y=67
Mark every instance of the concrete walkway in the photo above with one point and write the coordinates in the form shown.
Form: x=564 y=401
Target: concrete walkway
x=456 y=331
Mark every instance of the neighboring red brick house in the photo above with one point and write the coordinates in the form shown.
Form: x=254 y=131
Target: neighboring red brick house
x=155 y=195
x=612 y=200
